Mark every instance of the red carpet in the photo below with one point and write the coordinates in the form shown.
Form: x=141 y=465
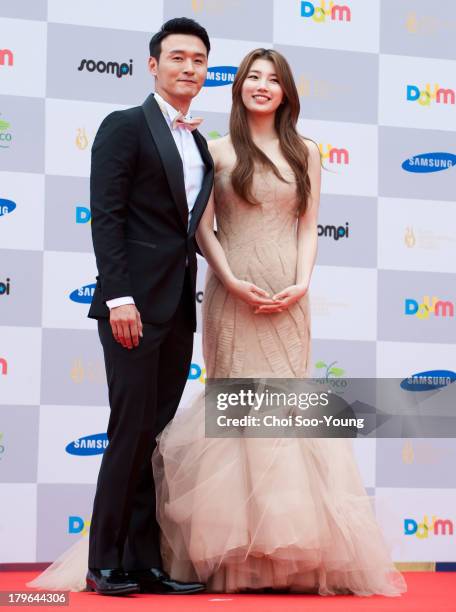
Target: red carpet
x=428 y=592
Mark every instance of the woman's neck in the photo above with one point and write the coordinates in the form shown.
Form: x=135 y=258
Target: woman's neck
x=262 y=127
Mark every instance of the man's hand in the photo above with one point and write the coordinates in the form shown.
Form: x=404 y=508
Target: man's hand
x=126 y=325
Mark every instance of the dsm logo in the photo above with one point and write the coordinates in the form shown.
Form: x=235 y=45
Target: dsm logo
x=83 y=215
x=220 y=75
x=425 y=97
x=423 y=310
x=77 y=525
x=429 y=162
x=6 y=57
x=83 y=295
x=322 y=13
x=427 y=381
x=436 y=526
x=94 y=444
x=6 y=207
x=197 y=373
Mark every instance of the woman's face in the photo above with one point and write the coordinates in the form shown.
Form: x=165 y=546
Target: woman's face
x=261 y=91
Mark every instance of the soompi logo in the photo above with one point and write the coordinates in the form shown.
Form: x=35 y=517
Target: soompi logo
x=5 y=287
x=425 y=97
x=76 y=524
x=196 y=372
x=102 y=67
x=425 y=529
x=326 y=10
x=423 y=310
x=333 y=231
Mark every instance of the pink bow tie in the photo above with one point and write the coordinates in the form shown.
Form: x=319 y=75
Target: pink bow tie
x=191 y=124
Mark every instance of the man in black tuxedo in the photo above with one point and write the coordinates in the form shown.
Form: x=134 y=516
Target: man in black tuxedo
x=151 y=178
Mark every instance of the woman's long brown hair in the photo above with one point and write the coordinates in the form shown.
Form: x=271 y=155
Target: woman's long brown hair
x=291 y=143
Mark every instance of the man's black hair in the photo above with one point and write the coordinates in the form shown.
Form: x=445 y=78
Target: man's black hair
x=179 y=25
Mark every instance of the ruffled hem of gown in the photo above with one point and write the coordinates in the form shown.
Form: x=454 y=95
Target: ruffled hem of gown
x=277 y=513
x=239 y=573
x=68 y=572
x=243 y=514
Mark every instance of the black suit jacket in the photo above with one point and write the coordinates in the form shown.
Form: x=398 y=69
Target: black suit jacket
x=140 y=213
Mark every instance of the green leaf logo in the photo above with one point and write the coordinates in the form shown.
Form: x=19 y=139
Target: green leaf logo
x=336 y=371
x=330 y=369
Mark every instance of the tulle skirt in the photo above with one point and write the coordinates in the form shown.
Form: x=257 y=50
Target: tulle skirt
x=246 y=514
x=279 y=513
x=68 y=572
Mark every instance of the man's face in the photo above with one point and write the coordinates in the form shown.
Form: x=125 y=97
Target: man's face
x=182 y=68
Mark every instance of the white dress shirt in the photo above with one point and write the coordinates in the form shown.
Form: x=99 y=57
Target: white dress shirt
x=193 y=171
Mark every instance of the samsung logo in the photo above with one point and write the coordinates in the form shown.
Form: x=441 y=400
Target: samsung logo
x=427 y=381
x=6 y=207
x=89 y=445
x=83 y=295
x=429 y=162
x=220 y=75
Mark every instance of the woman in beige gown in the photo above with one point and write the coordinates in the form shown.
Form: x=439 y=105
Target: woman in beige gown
x=259 y=513
x=254 y=513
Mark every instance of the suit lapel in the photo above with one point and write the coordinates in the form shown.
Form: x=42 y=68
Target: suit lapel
x=206 y=186
x=207 y=159
x=171 y=159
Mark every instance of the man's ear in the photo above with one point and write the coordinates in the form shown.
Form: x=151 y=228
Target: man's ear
x=153 y=65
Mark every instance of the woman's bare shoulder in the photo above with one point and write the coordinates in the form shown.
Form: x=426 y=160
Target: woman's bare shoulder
x=310 y=144
x=313 y=148
x=220 y=148
x=219 y=144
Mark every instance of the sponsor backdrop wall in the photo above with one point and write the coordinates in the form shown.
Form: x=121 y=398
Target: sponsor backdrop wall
x=377 y=81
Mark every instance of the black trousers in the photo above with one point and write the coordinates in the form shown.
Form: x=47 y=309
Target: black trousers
x=145 y=386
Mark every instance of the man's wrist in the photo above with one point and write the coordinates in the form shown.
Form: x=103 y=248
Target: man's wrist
x=120 y=301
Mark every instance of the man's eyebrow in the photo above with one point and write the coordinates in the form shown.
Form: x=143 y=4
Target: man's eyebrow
x=182 y=51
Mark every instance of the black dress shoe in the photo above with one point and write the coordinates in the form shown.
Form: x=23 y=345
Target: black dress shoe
x=155 y=580
x=110 y=582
